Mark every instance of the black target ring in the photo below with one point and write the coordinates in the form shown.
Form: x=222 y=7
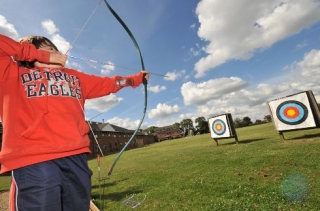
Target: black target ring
x=292 y=112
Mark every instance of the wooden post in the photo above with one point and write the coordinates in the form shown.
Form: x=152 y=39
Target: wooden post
x=237 y=141
x=281 y=136
x=216 y=140
x=93 y=207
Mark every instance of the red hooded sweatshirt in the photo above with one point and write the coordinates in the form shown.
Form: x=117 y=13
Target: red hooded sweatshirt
x=41 y=108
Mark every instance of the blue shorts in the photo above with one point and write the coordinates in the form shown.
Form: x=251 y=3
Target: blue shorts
x=58 y=185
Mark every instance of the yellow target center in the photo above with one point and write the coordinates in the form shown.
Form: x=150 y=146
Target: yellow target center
x=218 y=127
x=291 y=112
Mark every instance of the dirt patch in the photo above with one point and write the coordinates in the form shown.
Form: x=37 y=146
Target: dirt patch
x=4 y=201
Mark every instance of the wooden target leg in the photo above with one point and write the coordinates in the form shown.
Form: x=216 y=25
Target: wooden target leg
x=216 y=140
x=237 y=141
x=281 y=136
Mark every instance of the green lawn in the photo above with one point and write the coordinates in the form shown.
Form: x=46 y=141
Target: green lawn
x=259 y=173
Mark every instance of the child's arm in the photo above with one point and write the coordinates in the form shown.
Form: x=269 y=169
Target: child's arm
x=21 y=51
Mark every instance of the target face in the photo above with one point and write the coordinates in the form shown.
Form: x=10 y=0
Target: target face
x=292 y=112
x=218 y=127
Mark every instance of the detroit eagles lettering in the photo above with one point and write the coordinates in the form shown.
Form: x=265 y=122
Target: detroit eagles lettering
x=52 y=83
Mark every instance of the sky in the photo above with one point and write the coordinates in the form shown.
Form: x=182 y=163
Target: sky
x=218 y=56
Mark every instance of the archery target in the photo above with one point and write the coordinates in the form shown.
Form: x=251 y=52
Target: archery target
x=292 y=112
x=219 y=127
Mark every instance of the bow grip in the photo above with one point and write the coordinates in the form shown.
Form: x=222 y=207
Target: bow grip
x=144 y=80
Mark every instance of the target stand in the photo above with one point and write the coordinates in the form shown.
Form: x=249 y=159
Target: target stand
x=294 y=112
x=222 y=127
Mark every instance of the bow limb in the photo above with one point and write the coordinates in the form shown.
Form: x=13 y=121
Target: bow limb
x=144 y=82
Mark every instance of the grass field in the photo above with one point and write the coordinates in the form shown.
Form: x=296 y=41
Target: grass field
x=259 y=173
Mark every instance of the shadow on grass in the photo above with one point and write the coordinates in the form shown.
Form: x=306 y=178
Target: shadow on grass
x=105 y=182
x=251 y=140
x=6 y=174
x=303 y=136
x=243 y=141
x=114 y=196
x=119 y=196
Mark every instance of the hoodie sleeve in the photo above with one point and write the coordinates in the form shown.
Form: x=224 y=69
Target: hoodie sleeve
x=95 y=86
x=20 y=51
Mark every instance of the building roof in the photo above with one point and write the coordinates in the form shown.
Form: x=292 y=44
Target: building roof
x=166 y=128
x=107 y=127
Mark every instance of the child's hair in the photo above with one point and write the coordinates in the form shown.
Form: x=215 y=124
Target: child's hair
x=37 y=41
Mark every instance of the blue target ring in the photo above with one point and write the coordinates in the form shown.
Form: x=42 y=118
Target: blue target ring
x=292 y=112
x=218 y=127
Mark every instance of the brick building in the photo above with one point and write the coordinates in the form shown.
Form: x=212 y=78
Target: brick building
x=112 y=138
x=167 y=132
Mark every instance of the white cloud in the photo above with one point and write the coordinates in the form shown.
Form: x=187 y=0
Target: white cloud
x=252 y=101
x=157 y=88
x=49 y=27
x=126 y=123
x=193 y=26
x=212 y=89
x=305 y=73
x=310 y=65
x=302 y=45
x=61 y=43
x=73 y=65
x=248 y=26
x=103 y=104
x=7 y=28
x=172 y=76
x=196 y=51
x=163 y=111
x=107 y=68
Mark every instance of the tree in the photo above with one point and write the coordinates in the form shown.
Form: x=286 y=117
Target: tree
x=258 y=121
x=202 y=125
x=200 y=119
x=238 y=122
x=150 y=130
x=177 y=124
x=186 y=123
x=267 y=118
x=246 y=121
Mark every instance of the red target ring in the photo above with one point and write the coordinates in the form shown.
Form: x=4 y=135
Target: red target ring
x=291 y=112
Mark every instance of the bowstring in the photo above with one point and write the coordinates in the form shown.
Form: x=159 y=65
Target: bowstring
x=94 y=136
x=84 y=25
x=72 y=43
